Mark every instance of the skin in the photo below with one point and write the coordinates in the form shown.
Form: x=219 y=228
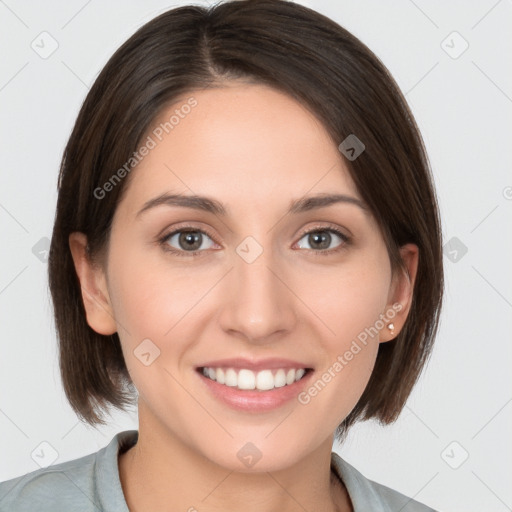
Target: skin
x=255 y=150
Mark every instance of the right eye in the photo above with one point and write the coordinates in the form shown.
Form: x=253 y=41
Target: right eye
x=187 y=241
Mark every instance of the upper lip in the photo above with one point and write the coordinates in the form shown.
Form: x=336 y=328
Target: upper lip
x=251 y=364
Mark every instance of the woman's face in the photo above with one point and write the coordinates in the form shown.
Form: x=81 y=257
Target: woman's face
x=248 y=283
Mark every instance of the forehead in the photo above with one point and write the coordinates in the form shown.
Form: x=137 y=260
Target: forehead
x=244 y=144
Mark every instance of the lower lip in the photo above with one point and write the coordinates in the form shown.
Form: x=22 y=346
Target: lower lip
x=253 y=400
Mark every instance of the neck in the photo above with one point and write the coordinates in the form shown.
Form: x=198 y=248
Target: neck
x=162 y=473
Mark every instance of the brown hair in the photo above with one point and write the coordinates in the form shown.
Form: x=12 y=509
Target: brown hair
x=317 y=62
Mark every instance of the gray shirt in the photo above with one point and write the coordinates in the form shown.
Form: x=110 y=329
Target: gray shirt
x=91 y=484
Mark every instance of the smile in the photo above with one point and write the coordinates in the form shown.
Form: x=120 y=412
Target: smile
x=245 y=379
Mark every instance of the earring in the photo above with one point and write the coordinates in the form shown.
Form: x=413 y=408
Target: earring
x=391 y=328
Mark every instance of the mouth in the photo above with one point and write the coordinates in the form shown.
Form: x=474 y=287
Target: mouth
x=244 y=379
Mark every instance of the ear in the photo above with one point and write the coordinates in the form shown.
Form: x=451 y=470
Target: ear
x=401 y=293
x=98 y=308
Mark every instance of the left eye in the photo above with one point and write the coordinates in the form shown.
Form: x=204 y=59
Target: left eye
x=320 y=239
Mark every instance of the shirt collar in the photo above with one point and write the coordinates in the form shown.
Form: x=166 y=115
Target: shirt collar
x=361 y=491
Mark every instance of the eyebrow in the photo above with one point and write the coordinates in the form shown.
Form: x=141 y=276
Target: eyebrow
x=211 y=205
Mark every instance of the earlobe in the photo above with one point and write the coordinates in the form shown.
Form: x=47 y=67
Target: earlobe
x=401 y=296
x=95 y=296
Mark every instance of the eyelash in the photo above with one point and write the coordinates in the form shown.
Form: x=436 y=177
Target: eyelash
x=190 y=228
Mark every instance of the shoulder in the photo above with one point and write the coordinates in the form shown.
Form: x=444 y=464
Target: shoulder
x=369 y=495
x=81 y=485
x=66 y=483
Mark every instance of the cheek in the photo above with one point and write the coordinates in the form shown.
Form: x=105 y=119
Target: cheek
x=144 y=279
x=351 y=307
x=148 y=296
x=154 y=310
x=352 y=299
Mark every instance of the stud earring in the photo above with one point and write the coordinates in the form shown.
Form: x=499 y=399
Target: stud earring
x=391 y=328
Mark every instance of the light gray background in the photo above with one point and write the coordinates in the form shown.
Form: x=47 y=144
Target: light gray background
x=463 y=107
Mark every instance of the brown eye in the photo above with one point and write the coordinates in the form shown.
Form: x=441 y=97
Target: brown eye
x=322 y=240
x=187 y=241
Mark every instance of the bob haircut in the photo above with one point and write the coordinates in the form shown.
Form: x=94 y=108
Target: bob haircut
x=318 y=63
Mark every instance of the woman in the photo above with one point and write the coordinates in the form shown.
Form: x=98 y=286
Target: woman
x=247 y=241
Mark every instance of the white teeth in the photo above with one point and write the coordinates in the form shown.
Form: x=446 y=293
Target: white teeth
x=280 y=379
x=264 y=380
x=247 y=379
x=231 y=377
x=219 y=376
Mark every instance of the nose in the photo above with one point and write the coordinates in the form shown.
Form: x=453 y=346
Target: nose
x=260 y=305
